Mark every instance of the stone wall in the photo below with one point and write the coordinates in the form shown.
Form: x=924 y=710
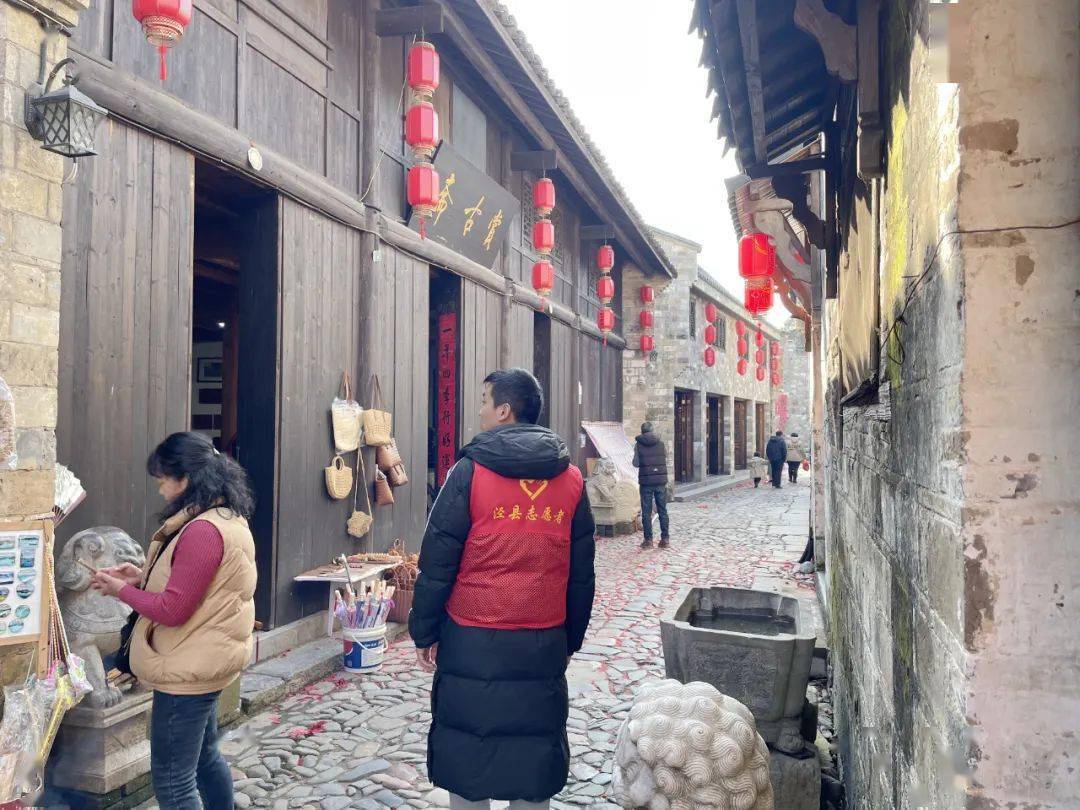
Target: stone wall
x=678 y=361
x=791 y=399
x=30 y=202
x=950 y=500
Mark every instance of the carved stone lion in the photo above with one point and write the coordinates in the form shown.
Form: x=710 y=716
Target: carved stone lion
x=94 y=620
x=689 y=747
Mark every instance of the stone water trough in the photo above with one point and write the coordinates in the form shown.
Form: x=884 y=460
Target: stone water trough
x=754 y=646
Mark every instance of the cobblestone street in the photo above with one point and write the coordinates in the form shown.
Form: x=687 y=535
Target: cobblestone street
x=360 y=741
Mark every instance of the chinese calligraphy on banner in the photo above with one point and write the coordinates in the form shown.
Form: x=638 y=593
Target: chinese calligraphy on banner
x=446 y=406
x=474 y=214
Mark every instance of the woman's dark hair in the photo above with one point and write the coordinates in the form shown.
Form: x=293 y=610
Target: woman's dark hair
x=519 y=389
x=214 y=479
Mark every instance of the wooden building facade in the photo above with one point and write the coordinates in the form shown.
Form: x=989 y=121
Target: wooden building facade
x=241 y=239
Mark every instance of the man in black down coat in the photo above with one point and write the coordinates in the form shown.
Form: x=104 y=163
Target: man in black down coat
x=503 y=600
x=776 y=453
x=650 y=457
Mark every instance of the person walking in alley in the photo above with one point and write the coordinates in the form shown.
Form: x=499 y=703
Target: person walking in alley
x=795 y=457
x=759 y=468
x=195 y=614
x=650 y=457
x=502 y=602
x=776 y=453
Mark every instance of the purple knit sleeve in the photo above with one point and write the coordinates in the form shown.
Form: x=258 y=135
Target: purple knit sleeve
x=198 y=554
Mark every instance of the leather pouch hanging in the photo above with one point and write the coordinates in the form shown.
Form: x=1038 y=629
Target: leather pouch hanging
x=384 y=496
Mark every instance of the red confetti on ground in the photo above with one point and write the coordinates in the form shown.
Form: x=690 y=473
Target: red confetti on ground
x=275 y=719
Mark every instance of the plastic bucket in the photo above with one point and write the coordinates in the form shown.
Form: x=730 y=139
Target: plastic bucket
x=363 y=649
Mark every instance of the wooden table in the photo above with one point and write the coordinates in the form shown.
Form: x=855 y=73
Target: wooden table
x=334 y=575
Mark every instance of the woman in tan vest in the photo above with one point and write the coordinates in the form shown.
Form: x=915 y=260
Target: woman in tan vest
x=195 y=615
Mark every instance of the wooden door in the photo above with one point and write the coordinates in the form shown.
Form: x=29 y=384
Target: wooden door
x=713 y=435
x=740 y=434
x=684 y=436
x=125 y=322
x=759 y=427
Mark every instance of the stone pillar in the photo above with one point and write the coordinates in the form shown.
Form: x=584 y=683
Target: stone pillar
x=30 y=204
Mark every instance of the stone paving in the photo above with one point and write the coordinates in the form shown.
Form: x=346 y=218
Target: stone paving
x=360 y=741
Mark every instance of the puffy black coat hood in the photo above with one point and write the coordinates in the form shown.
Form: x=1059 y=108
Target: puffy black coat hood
x=519 y=451
x=647 y=439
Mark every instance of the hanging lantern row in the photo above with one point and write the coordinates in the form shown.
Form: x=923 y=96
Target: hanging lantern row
x=757 y=265
x=712 y=312
x=647 y=318
x=742 y=348
x=605 y=289
x=422 y=131
x=543 y=236
x=774 y=362
x=163 y=23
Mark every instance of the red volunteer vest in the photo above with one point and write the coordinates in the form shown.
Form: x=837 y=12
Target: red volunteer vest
x=516 y=561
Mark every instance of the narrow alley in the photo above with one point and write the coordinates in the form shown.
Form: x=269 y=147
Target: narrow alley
x=360 y=741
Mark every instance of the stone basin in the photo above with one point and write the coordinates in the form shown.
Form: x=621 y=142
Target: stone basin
x=754 y=646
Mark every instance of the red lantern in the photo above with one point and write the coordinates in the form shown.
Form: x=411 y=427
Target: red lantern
x=605 y=258
x=743 y=347
x=543 y=278
x=605 y=320
x=544 y=196
x=710 y=334
x=757 y=256
x=605 y=288
x=646 y=319
x=760 y=373
x=543 y=236
x=711 y=313
x=759 y=357
x=423 y=188
x=758 y=295
x=741 y=367
x=647 y=343
x=775 y=379
x=710 y=356
x=163 y=23
x=774 y=364
x=423 y=69
x=648 y=294
x=759 y=339
x=422 y=129
x=740 y=329
x=774 y=349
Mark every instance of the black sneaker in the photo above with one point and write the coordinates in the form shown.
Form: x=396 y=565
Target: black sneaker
x=664 y=542
x=646 y=544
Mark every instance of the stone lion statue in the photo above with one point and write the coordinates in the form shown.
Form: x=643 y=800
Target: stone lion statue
x=688 y=747
x=93 y=620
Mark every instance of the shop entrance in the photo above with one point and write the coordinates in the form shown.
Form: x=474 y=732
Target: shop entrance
x=684 y=436
x=739 y=434
x=714 y=428
x=759 y=426
x=444 y=372
x=234 y=339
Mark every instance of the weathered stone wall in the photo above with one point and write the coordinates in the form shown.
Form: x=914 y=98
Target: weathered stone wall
x=894 y=549
x=791 y=399
x=1020 y=393
x=30 y=202
x=678 y=361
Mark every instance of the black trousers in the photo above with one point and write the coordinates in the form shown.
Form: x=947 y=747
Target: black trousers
x=648 y=496
x=775 y=471
x=793 y=471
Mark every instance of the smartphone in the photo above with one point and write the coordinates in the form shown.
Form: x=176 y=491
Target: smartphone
x=86 y=565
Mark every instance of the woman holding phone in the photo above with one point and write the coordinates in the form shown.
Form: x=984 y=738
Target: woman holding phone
x=196 y=615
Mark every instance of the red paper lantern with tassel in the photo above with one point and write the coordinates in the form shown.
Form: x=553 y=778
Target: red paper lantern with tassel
x=543 y=236
x=422 y=129
x=774 y=364
x=759 y=339
x=646 y=319
x=710 y=335
x=740 y=328
x=423 y=190
x=774 y=349
x=648 y=294
x=775 y=379
x=423 y=69
x=711 y=313
x=760 y=373
x=710 y=356
x=163 y=23
x=605 y=258
x=759 y=357
x=648 y=344
x=743 y=347
x=605 y=288
x=544 y=196
x=741 y=367
x=605 y=320
x=543 y=278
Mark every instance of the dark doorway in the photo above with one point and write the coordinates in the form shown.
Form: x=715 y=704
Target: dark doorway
x=759 y=426
x=739 y=434
x=234 y=356
x=542 y=362
x=684 y=436
x=714 y=432
x=444 y=370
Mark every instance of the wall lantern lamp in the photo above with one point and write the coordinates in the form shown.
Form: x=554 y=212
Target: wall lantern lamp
x=64 y=120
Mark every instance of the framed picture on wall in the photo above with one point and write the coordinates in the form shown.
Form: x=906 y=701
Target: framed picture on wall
x=209 y=370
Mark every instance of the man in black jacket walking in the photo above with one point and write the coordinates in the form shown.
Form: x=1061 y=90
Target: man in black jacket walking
x=503 y=600
x=650 y=457
x=776 y=453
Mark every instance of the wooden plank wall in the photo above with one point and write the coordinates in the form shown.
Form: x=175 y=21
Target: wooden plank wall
x=394 y=345
x=520 y=337
x=480 y=340
x=125 y=322
x=564 y=390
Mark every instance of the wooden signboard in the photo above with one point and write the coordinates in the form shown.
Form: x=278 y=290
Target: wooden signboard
x=25 y=582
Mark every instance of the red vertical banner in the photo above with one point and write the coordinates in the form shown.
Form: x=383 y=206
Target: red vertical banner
x=446 y=426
